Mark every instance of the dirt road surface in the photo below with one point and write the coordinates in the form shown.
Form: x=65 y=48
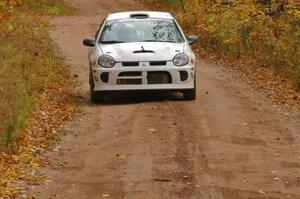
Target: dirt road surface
x=232 y=142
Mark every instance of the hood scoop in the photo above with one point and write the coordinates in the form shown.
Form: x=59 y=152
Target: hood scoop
x=143 y=51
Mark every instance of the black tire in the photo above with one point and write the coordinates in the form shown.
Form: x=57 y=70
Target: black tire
x=91 y=81
x=189 y=94
x=96 y=96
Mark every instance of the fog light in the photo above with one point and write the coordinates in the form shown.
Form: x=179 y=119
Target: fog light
x=104 y=77
x=183 y=75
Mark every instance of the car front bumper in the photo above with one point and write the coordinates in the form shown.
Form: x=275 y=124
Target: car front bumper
x=144 y=77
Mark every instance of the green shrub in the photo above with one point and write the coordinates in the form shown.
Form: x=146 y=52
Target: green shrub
x=26 y=59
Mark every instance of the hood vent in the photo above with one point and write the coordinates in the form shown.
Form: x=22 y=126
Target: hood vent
x=139 y=16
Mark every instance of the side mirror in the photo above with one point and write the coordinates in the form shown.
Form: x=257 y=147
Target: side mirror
x=192 y=39
x=89 y=42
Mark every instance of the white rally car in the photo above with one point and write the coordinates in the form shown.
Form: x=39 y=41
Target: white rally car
x=141 y=51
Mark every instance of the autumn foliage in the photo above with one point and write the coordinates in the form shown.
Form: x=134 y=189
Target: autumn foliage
x=266 y=30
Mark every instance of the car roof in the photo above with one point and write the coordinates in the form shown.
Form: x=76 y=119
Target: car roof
x=150 y=14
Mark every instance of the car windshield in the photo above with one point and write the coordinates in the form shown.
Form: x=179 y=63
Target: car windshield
x=141 y=31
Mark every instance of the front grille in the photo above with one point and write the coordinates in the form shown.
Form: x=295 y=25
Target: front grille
x=151 y=63
x=158 y=63
x=130 y=74
x=130 y=63
x=131 y=77
x=159 y=77
x=129 y=81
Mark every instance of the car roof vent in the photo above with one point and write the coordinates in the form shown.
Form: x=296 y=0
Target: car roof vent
x=139 y=16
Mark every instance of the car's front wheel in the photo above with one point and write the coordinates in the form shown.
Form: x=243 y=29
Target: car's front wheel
x=96 y=96
x=189 y=94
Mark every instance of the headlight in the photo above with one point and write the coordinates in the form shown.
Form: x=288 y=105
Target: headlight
x=181 y=59
x=106 y=61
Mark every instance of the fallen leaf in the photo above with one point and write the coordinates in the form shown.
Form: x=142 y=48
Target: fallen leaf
x=261 y=192
x=151 y=130
x=276 y=179
x=121 y=156
x=246 y=180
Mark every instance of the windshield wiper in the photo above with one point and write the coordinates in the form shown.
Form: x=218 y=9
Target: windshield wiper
x=111 y=42
x=153 y=40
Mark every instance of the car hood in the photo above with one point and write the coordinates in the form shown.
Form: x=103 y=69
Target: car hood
x=143 y=51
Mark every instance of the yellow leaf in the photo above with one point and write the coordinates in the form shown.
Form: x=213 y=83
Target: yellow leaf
x=122 y=157
x=10 y=27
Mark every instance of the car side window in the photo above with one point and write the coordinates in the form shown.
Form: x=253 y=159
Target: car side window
x=99 y=28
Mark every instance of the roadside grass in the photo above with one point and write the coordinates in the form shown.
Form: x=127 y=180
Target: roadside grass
x=35 y=91
x=49 y=7
x=28 y=63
